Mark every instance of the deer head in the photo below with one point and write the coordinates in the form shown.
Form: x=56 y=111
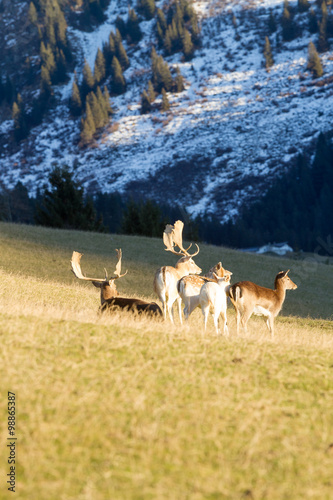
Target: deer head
x=107 y=285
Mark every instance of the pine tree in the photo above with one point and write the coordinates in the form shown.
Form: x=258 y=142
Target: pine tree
x=64 y=205
x=179 y=81
x=322 y=40
x=161 y=73
x=87 y=126
x=88 y=82
x=47 y=58
x=102 y=105
x=45 y=83
x=118 y=83
x=165 y=101
x=19 y=118
x=32 y=15
x=109 y=51
x=271 y=23
x=187 y=45
x=121 y=26
x=75 y=103
x=303 y=5
x=314 y=62
x=151 y=92
x=60 y=74
x=288 y=29
x=99 y=68
x=313 y=23
x=268 y=54
x=107 y=103
x=133 y=27
x=96 y=110
x=122 y=56
x=147 y=7
x=145 y=103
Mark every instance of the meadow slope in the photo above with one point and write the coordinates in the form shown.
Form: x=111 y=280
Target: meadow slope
x=122 y=408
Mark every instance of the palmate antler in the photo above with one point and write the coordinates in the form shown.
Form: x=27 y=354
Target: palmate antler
x=76 y=268
x=173 y=236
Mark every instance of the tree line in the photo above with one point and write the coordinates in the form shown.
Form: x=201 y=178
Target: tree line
x=297 y=208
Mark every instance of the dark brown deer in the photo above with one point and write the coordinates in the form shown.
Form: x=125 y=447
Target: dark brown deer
x=110 y=299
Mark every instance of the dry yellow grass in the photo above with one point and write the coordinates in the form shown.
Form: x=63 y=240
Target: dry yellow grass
x=121 y=408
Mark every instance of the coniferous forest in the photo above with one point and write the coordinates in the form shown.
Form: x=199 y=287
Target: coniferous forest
x=297 y=207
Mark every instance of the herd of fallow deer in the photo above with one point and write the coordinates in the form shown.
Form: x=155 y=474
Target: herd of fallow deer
x=182 y=283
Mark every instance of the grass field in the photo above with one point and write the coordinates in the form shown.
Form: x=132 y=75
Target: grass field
x=124 y=408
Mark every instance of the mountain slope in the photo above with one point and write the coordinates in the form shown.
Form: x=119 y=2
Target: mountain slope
x=227 y=135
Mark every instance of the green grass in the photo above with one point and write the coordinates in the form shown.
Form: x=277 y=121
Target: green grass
x=122 y=408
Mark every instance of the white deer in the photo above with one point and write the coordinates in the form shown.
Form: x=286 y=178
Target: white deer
x=166 y=277
x=189 y=287
x=213 y=298
x=249 y=298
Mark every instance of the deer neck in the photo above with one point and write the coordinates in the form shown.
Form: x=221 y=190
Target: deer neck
x=280 y=292
x=107 y=292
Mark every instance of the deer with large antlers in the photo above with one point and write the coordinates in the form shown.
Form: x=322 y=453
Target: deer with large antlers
x=166 y=278
x=109 y=295
x=189 y=286
x=249 y=298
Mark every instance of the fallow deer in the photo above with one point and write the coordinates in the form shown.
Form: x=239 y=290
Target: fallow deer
x=109 y=295
x=189 y=287
x=213 y=298
x=167 y=277
x=249 y=298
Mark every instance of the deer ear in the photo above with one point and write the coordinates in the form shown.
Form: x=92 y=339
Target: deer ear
x=219 y=265
x=97 y=284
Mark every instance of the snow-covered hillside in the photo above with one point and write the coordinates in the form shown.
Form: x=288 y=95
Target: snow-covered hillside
x=233 y=129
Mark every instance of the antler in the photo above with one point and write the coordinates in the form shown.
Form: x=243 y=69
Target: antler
x=76 y=268
x=173 y=235
x=118 y=266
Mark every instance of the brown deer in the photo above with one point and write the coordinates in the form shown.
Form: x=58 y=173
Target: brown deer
x=166 y=278
x=249 y=298
x=109 y=295
x=189 y=286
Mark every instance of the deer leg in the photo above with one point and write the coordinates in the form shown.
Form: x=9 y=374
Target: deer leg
x=270 y=325
x=225 y=326
x=205 y=312
x=179 y=303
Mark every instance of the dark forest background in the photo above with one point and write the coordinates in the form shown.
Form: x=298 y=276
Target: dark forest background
x=297 y=208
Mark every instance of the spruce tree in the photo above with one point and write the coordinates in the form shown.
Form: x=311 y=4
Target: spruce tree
x=107 y=103
x=122 y=56
x=45 y=83
x=19 y=118
x=102 y=105
x=87 y=126
x=145 y=103
x=271 y=23
x=99 y=68
x=151 y=92
x=314 y=62
x=288 y=29
x=64 y=206
x=32 y=15
x=179 y=81
x=133 y=27
x=118 y=83
x=75 y=103
x=187 y=45
x=268 y=54
x=165 y=101
x=88 y=82
x=322 y=40
x=313 y=23
x=147 y=7
x=96 y=110
x=303 y=5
